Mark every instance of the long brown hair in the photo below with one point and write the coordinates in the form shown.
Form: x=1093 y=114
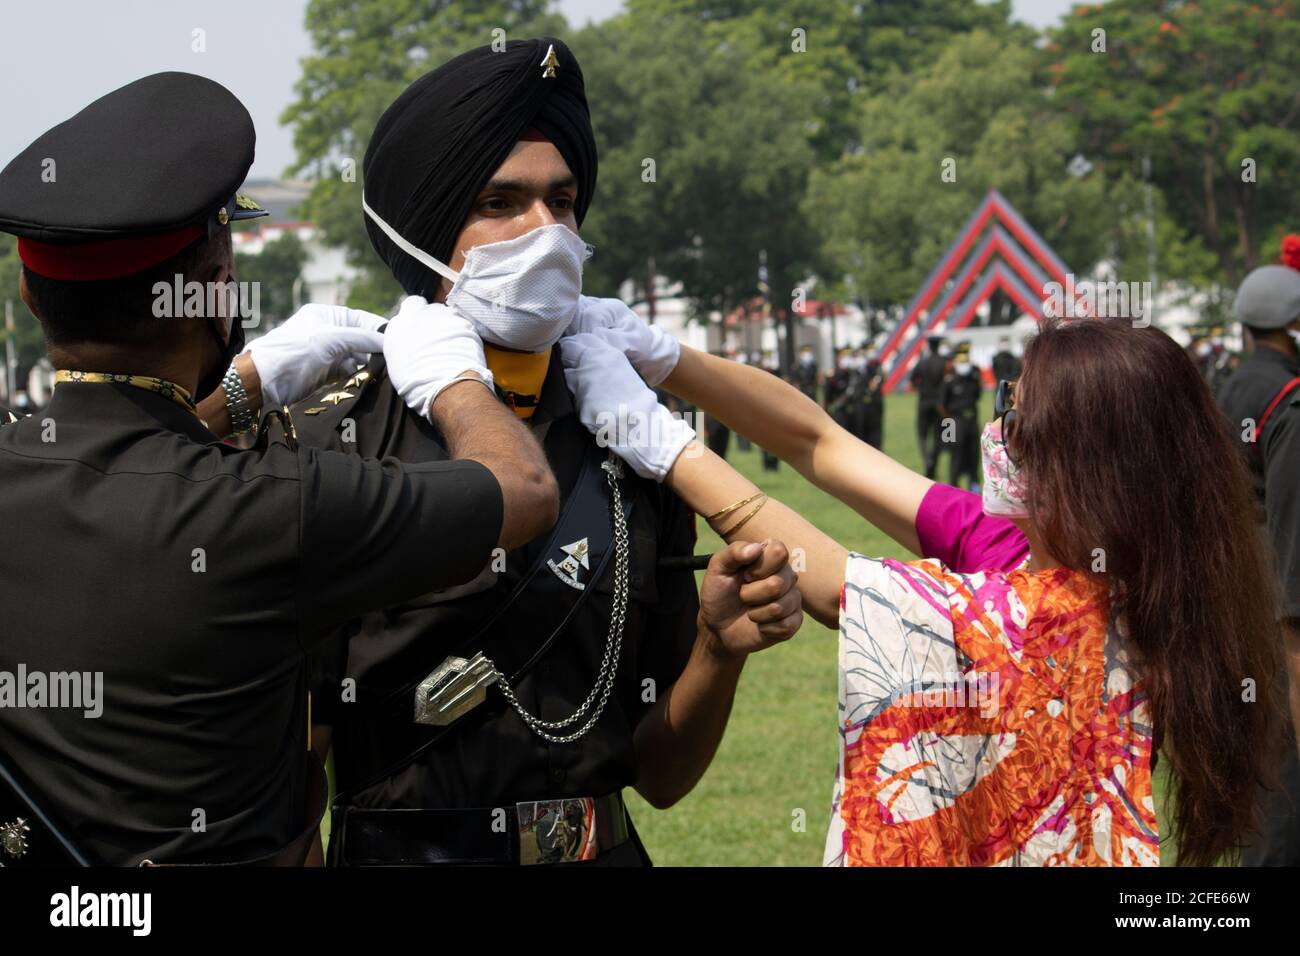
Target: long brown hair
x=1123 y=449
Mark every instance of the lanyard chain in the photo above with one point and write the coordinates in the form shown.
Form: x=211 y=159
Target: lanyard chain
x=613 y=643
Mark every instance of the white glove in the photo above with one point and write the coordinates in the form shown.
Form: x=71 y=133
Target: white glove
x=313 y=345
x=427 y=346
x=652 y=351
x=618 y=407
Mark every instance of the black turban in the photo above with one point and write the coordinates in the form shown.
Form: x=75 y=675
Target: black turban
x=438 y=145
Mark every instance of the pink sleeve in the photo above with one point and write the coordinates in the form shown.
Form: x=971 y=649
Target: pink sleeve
x=952 y=526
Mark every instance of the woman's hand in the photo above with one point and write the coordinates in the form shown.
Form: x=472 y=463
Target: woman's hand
x=620 y=409
x=749 y=599
x=651 y=350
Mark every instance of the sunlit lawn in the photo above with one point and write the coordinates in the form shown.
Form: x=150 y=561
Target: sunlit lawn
x=778 y=757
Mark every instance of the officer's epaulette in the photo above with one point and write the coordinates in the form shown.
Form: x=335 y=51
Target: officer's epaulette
x=323 y=412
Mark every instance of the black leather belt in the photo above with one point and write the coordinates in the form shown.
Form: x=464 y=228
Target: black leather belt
x=543 y=831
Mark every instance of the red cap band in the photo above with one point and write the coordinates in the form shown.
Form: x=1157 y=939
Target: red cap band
x=535 y=135
x=110 y=259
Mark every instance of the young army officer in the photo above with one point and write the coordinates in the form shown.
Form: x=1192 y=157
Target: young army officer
x=173 y=582
x=501 y=721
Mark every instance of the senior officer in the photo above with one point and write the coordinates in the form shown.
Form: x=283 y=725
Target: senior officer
x=160 y=588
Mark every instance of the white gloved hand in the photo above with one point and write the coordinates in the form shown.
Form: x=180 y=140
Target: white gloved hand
x=313 y=345
x=427 y=346
x=651 y=350
x=619 y=408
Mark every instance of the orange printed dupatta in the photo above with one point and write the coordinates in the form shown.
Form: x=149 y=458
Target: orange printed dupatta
x=988 y=719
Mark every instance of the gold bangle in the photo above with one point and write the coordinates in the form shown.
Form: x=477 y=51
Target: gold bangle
x=741 y=523
x=732 y=507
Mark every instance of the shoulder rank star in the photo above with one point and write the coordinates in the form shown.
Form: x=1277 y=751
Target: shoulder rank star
x=567 y=570
x=13 y=838
x=551 y=62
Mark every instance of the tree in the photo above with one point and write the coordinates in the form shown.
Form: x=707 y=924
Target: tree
x=1206 y=90
x=276 y=269
x=935 y=141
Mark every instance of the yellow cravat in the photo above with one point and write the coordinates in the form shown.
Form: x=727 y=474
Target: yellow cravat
x=520 y=375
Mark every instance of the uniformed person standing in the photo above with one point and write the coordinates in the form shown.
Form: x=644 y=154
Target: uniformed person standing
x=499 y=722
x=927 y=379
x=1262 y=403
x=872 y=401
x=1006 y=364
x=160 y=588
x=960 y=406
x=804 y=373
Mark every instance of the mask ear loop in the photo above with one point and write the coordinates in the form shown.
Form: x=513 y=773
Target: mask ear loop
x=416 y=253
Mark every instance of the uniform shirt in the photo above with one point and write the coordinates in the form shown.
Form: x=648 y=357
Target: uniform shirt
x=961 y=393
x=490 y=758
x=1274 y=458
x=193 y=576
x=1006 y=366
x=928 y=376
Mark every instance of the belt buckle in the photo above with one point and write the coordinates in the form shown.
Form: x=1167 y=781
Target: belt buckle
x=557 y=831
x=455 y=687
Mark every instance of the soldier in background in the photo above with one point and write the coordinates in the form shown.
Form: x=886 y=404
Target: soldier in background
x=804 y=374
x=771 y=364
x=837 y=383
x=960 y=404
x=927 y=379
x=872 y=402
x=1262 y=403
x=1006 y=365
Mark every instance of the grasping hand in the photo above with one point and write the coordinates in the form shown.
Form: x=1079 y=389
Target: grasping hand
x=749 y=597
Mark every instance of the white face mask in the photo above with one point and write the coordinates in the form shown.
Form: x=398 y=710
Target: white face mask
x=521 y=293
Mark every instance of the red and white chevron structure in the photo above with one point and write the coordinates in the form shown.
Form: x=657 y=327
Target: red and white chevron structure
x=1024 y=267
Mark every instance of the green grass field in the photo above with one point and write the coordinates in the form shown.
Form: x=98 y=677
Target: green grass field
x=776 y=764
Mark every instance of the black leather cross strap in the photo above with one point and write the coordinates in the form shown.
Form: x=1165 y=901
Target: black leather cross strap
x=540 y=595
x=458 y=837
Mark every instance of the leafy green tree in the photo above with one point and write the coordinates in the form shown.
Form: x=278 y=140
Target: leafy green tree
x=704 y=158
x=1208 y=92
x=936 y=141
x=276 y=269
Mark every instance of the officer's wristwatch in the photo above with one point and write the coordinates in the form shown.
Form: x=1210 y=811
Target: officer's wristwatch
x=240 y=411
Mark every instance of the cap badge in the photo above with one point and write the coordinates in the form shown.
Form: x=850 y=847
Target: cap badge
x=13 y=838
x=551 y=62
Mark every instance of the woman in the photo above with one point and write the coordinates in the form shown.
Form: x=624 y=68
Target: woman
x=999 y=708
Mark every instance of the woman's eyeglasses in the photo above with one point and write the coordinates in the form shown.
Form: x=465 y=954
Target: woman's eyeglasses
x=1004 y=408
